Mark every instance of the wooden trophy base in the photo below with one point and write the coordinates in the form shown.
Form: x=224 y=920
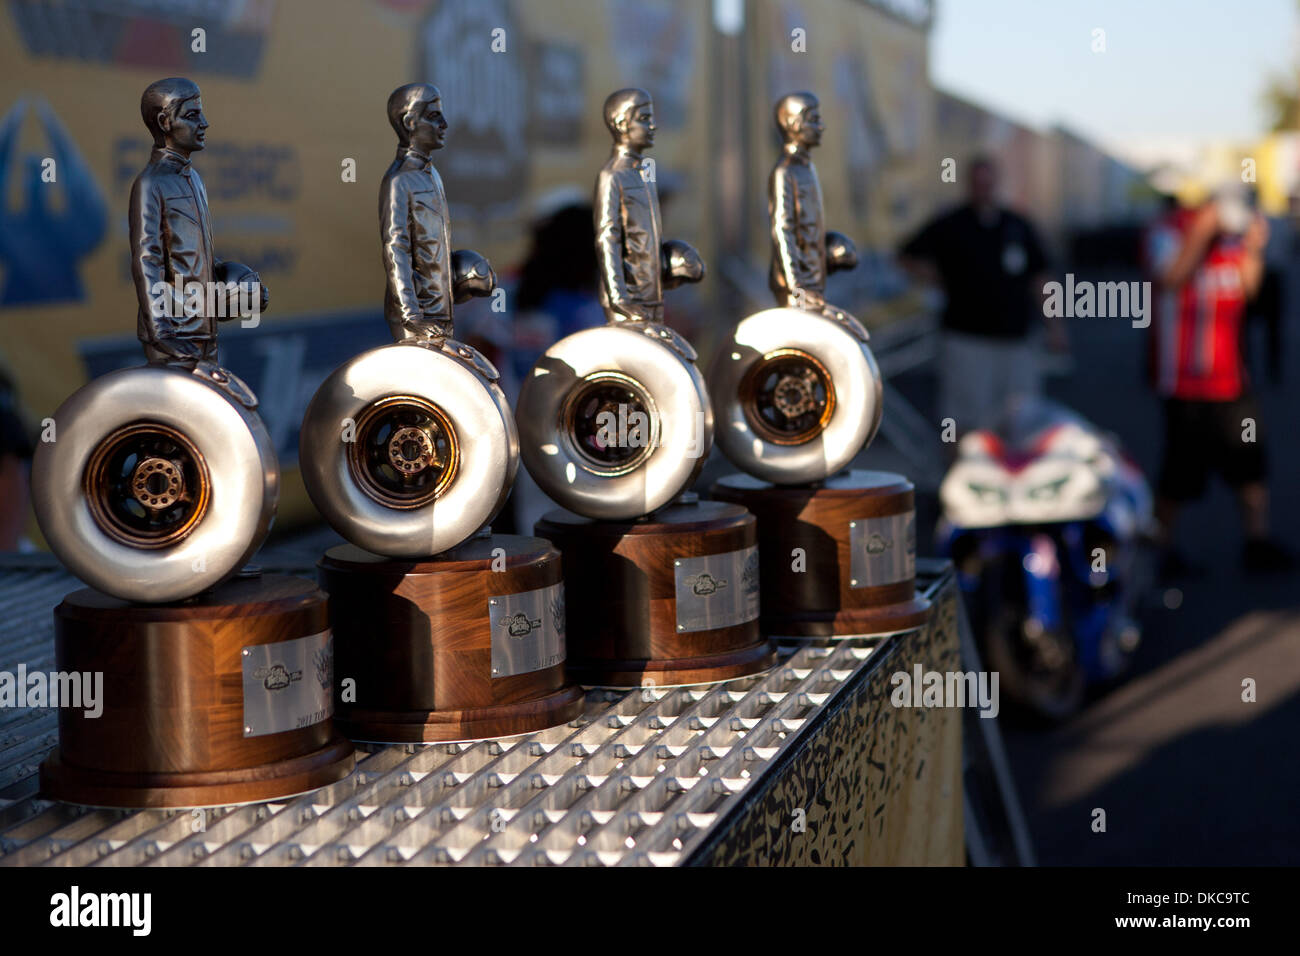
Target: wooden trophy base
x=219 y=700
x=466 y=645
x=839 y=558
x=665 y=600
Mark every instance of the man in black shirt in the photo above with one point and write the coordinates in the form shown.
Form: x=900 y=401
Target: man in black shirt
x=990 y=263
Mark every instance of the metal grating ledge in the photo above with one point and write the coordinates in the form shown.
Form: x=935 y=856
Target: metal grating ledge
x=639 y=780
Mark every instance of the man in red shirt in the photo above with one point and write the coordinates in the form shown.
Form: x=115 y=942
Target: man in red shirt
x=1205 y=264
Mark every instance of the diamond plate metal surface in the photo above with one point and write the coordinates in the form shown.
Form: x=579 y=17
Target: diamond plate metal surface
x=640 y=778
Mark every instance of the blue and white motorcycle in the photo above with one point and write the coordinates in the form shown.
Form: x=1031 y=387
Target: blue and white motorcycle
x=1046 y=521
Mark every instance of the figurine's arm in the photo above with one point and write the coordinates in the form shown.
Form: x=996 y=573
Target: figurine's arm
x=395 y=223
x=609 y=244
x=149 y=271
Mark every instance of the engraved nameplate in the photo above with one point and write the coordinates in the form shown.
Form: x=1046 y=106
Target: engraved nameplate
x=527 y=630
x=288 y=685
x=882 y=550
x=716 y=590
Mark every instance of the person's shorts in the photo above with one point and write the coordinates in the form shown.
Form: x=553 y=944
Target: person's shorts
x=1202 y=438
x=981 y=377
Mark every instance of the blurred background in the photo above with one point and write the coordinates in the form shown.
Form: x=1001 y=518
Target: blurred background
x=1099 y=117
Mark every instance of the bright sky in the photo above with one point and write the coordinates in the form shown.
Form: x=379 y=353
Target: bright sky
x=1176 y=74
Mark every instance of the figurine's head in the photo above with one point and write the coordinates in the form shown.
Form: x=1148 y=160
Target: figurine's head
x=630 y=116
x=173 y=112
x=415 y=110
x=799 y=118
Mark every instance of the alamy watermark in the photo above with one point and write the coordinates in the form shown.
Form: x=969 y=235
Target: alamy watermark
x=74 y=908
x=72 y=689
x=1102 y=300
x=923 y=688
x=631 y=427
x=219 y=300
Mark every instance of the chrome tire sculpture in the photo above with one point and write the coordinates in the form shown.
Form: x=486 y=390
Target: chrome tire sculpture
x=157 y=487
x=408 y=451
x=620 y=375
x=797 y=395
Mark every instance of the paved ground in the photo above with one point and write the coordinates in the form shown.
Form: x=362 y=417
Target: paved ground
x=1186 y=772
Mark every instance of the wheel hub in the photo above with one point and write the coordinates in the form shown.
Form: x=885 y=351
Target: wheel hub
x=157 y=483
x=147 y=485
x=411 y=451
x=405 y=452
x=611 y=422
x=793 y=395
x=788 y=397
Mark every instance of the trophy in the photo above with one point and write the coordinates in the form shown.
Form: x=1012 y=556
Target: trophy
x=615 y=424
x=798 y=395
x=443 y=630
x=158 y=484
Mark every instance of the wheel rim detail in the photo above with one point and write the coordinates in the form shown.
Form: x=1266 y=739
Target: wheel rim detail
x=788 y=398
x=610 y=405
x=405 y=452
x=147 y=485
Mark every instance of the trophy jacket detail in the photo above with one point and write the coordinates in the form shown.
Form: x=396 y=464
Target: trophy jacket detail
x=628 y=239
x=416 y=234
x=794 y=204
x=171 y=242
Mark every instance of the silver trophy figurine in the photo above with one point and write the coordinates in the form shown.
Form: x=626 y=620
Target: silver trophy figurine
x=450 y=632
x=409 y=449
x=615 y=424
x=161 y=480
x=798 y=396
x=796 y=390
